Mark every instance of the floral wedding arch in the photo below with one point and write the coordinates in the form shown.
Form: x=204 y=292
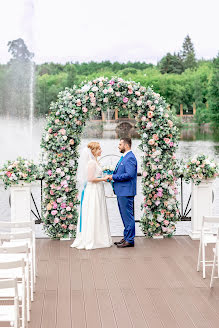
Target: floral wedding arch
x=61 y=141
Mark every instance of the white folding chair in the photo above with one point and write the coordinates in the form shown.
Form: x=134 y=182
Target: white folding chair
x=16 y=253
x=19 y=239
x=10 y=313
x=216 y=261
x=16 y=269
x=208 y=236
x=24 y=226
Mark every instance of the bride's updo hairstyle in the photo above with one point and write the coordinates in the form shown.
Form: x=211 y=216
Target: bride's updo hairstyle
x=94 y=146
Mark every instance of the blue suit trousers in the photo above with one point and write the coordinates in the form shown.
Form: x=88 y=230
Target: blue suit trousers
x=126 y=208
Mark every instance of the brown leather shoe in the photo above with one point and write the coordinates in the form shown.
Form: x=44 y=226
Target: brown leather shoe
x=119 y=242
x=125 y=244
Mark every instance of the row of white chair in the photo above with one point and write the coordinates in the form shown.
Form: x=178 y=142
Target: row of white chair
x=209 y=235
x=18 y=264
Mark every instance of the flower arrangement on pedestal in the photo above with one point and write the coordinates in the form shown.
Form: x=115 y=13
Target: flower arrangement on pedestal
x=158 y=143
x=200 y=168
x=13 y=172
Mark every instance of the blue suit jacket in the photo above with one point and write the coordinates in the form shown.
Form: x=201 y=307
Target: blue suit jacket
x=125 y=176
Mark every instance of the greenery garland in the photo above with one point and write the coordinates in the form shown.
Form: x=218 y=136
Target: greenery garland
x=62 y=137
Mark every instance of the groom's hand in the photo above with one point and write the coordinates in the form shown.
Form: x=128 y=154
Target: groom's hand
x=110 y=177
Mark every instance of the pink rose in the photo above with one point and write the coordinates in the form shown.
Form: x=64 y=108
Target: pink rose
x=51 y=192
x=139 y=102
x=152 y=107
x=63 y=205
x=137 y=93
x=130 y=91
x=67 y=189
x=71 y=227
x=118 y=94
x=111 y=82
x=149 y=125
x=84 y=109
x=125 y=100
x=151 y=142
x=49 y=172
x=56 y=220
x=68 y=208
x=143 y=118
x=158 y=175
x=58 y=170
x=64 y=226
x=78 y=102
x=150 y=114
x=155 y=137
x=50 y=130
x=170 y=172
x=57 y=121
x=145 y=174
x=170 y=123
x=105 y=91
x=71 y=204
x=164 y=229
x=149 y=102
x=54 y=205
x=159 y=194
x=166 y=140
x=54 y=212
x=166 y=222
x=59 y=200
x=105 y=99
x=157 y=202
x=62 y=131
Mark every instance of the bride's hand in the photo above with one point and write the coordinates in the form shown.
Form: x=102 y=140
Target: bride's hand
x=106 y=178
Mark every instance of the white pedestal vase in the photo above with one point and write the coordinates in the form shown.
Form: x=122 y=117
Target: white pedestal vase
x=201 y=205
x=21 y=202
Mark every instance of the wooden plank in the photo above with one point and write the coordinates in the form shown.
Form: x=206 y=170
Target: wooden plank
x=64 y=296
x=49 y=309
x=106 y=310
x=90 y=296
x=119 y=307
x=163 y=309
x=78 y=309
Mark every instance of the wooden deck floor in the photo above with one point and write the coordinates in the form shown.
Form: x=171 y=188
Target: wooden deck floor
x=152 y=285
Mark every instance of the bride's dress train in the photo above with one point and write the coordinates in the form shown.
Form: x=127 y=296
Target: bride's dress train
x=95 y=230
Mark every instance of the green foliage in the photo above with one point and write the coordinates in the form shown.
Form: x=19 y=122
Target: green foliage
x=171 y=64
x=214 y=93
x=19 y=50
x=202 y=115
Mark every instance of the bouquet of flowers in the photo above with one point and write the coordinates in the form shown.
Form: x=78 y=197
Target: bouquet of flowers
x=108 y=169
x=20 y=169
x=199 y=168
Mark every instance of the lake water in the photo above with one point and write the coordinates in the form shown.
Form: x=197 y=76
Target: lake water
x=15 y=141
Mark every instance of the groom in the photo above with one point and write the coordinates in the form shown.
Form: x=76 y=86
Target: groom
x=125 y=179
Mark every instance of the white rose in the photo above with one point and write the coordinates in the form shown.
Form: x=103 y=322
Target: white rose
x=65 y=138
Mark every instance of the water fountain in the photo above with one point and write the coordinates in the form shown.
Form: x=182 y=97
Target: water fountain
x=109 y=127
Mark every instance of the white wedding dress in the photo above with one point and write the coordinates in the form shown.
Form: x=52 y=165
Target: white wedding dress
x=95 y=230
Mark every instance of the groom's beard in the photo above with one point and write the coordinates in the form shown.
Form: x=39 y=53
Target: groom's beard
x=122 y=151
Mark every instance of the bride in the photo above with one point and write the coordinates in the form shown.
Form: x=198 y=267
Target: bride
x=93 y=225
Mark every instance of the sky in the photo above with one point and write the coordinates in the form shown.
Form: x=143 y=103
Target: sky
x=115 y=30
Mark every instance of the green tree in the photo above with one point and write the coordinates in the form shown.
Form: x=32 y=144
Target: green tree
x=188 y=53
x=171 y=64
x=19 y=78
x=213 y=94
x=19 y=50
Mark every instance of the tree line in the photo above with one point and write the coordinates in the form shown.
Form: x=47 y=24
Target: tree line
x=179 y=77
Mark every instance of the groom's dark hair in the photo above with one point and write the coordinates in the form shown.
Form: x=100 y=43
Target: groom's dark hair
x=127 y=141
